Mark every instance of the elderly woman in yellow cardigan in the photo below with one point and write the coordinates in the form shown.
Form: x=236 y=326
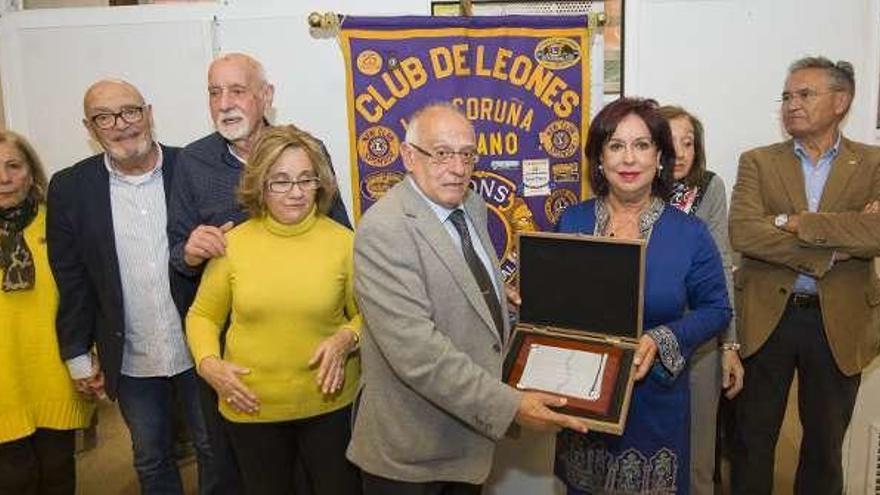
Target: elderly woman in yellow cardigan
x=39 y=406
x=289 y=372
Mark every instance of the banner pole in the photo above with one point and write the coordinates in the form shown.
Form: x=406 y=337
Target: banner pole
x=466 y=8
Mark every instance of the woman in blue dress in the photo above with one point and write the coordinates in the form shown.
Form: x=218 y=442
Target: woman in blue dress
x=631 y=156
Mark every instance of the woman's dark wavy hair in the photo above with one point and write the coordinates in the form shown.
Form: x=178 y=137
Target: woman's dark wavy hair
x=602 y=128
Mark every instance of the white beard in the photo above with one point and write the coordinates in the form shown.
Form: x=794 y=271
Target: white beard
x=234 y=132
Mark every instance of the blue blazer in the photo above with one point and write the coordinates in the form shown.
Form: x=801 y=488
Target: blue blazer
x=82 y=255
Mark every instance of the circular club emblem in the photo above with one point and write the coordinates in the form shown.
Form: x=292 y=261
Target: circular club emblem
x=560 y=139
x=369 y=62
x=557 y=53
x=499 y=193
x=378 y=146
x=558 y=201
x=375 y=185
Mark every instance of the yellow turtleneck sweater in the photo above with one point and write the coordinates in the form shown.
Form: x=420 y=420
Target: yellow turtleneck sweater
x=288 y=287
x=35 y=389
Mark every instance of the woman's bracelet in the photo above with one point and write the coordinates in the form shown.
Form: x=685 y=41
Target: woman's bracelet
x=356 y=340
x=731 y=346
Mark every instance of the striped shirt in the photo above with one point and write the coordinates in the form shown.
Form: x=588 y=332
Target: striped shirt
x=154 y=340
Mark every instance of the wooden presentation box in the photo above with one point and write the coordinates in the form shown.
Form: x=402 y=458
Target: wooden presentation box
x=581 y=293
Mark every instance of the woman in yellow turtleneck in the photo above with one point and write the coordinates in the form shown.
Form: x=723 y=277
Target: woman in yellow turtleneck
x=289 y=371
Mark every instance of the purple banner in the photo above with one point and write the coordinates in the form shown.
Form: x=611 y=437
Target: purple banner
x=522 y=81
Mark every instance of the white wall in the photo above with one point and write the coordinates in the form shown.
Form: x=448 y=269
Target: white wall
x=726 y=60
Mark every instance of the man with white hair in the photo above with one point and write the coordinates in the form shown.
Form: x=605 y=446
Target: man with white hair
x=203 y=204
x=432 y=404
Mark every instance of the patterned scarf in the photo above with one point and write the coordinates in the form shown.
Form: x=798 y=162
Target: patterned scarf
x=16 y=260
x=688 y=198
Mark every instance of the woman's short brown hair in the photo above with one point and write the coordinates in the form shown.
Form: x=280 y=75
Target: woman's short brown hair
x=695 y=175
x=267 y=150
x=39 y=183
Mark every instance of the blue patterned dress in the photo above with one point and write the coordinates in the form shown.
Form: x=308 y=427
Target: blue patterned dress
x=686 y=304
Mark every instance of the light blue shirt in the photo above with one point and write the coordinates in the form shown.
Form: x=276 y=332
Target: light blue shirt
x=443 y=215
x=815 y=177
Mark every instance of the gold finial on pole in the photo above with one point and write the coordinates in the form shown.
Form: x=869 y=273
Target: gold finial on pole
x=324 y=25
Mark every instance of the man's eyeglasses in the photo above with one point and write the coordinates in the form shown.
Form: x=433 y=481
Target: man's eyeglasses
x=804 y=95
x=444 y=156
x=107 y=120
x=285 y=186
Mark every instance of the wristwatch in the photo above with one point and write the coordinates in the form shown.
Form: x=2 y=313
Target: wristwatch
x=780 y=220
x=730 y=346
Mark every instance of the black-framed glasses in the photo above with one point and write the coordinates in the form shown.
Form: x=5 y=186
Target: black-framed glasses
x=443 y=156
x=285 y=186
x=107 y=120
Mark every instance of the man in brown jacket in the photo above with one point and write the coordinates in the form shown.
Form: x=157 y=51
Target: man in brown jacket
x=804 y=216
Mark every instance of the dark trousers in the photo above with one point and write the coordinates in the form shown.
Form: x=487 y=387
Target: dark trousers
x=377 y=485
x=39 y=464
x=226 y=478
x=268 y=454
x=825 y=403
x=147 y=406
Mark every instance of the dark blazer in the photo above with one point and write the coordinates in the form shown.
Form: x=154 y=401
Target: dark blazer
x=771 y=181
x=82 y=254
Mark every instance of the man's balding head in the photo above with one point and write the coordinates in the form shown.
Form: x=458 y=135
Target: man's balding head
x=102 y=91
x=440 y=153
x=119 y=120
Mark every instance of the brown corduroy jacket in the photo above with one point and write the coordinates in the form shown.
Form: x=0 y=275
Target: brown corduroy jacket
x=770 y=181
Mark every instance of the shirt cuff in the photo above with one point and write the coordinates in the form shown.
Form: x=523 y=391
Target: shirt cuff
x=80 y=367
x=668 y=351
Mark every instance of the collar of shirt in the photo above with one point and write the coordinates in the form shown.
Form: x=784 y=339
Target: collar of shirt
x=441 y=211
x=234 y=154
x=801 y=151
x=135 y=179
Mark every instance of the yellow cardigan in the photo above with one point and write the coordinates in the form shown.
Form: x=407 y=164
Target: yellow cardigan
x=288 y=287
x=35 y=388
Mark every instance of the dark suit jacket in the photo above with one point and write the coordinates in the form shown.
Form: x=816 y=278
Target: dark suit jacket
x=82 y=254
x=771 y=181
x=432 y=403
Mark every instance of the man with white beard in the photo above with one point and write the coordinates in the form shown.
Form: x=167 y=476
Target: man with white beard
x=106 y=230
x=203 y=204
